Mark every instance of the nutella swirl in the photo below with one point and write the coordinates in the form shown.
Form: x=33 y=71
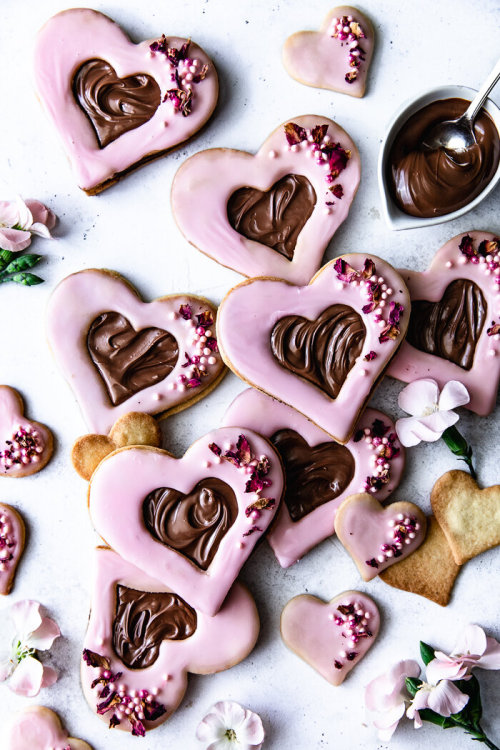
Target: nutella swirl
x=128 y=360
x=451 y=327
x=322 y=351
x=193 y=524
x=114 y=105
x=314 y=475
x=273 y=217
x=143 y=620
x=429 y=183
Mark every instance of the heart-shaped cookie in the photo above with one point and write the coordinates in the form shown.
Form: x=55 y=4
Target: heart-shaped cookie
x=143 y=639
x=336 y=57
x=319 y=472
x=324 y=347
x=468 y=516
x=272 y=213
x=189 y=522
x=454 y=329
x=12 y=535
x=430 y=571
x=134 y=428
x=116 y=104
x=377 y=537
x=25 y=446
x=331 y=636
x=39 y=728
x=120 y=354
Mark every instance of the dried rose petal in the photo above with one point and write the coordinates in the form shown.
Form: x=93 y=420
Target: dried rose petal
x=337 y=190
x=154 y=710
x=396 y=311
x=205 y=319
x=489 y=247
x=215 y=449
x=318 y=133
x=337 y=159
x=252 y=531
x=244 y=450
x=114 y=722
x=186 y=311
x=494 y=330
x=95 y=660
x=371 y=355
x=358 y=435
x=466 y=246
x=294 y=133
x=351 y=76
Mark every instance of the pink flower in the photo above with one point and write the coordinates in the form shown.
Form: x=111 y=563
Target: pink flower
x=228 y=725
x=431 y=412
x=386 y=697
x=444 y=698
x=32 y=632
x=20 y=219
x=473 y=649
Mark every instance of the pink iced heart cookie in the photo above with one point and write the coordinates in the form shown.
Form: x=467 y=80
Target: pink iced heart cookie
x=116 y=104
x=190 y=522
x=120 y=354
x=25 y=446
x=12 y=535
x=320 y=473
x=39 y=728
x=378 y=537
x=143 y=639
x=331 y=636
x=454 y=330
x=336 y=57
x=320 y=348
x=272 y=213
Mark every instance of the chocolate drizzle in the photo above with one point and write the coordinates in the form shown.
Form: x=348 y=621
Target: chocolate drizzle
x=128 y=360
x=451 y=327
x=273 y=217
x=114 y=105
x=193 y=524
x=143 y=620
x=314 y=475
x=321 y=351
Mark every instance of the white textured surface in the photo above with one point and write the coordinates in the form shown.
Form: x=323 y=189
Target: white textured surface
x=130 y=228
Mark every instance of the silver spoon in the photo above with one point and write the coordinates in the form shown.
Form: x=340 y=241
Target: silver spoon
x=458 y=135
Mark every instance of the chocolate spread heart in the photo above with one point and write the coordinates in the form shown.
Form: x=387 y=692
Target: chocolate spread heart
x=322 y=351
x=273 y=217
x=143 y=620
x=193 y=524
x=128 y=360
x=451 y=327
x=114 y=105
x=314 y=475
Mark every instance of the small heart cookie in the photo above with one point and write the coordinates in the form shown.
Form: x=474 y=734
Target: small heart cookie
x=430 y=571
x=337 y=57
x=272 y=213
x=25 y=446
x=377 y=537
x=469 y=517
x=115 y=104
x=12 y=536
x=120 y=354
x=331 y=636
x=143 y=639
x=131 y=429
x=454 y=329
x=39 y=728
x=325 y=346
x=319 y=472
x=189 y=522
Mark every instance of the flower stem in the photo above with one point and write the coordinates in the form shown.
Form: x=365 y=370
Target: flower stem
x=477 y=733
x=459 y=447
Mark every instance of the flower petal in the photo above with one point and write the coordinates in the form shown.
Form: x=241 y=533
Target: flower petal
x=210 y=728
x=453 y=394
x=41 y=214
x=49 y=676
x=24 y=215
x=446 y=699
x=472 y=641
x=14 y=239
x=390 y=718
x=6 y=666
x=439 y=421
x=491 y=657
x=9 y=215
x=26 y=617
x=448 y=669
x=411 y=431
x=27 y=677
x=419 y=395
x=44 y=636
x=385 y=691
x=251 y=730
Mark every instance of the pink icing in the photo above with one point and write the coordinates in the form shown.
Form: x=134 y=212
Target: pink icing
x=122 y=482
x=377 y=537
x=11 y=545
x=69 y=39
x=218 y=642
x=290 y=540
x=484 y=376
x=332 y=641
x=322 y=60
x=249 y=312
x=25 y=447
x=79 y=299
x=39 y=728
x=212 y=233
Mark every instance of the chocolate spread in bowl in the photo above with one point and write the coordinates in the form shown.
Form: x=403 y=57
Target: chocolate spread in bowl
x=428 y=183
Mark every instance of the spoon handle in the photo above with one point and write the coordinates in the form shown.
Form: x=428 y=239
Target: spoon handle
x=481 y=95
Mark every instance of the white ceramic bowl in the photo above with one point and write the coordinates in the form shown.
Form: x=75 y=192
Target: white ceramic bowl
x=396 y=218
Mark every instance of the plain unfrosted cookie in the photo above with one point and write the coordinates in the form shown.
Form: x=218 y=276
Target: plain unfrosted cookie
x=468 y=516
x=39 y=728
x=12 y=537
x=25 y=446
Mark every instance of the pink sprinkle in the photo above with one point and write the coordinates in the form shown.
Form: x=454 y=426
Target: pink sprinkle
x=272 y=154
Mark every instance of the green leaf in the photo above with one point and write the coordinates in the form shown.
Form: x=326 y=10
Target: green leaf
x=26 y=279
x=445 y=722
x=426 y=652
x=473 y=710
x=455 y=441
x=412 y=685
x=5 y=258
x=22 y=262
